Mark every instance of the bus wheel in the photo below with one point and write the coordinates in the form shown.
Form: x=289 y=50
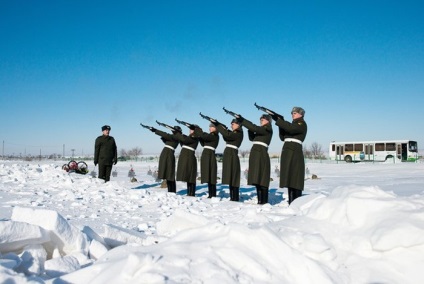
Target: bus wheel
x=348 y=159
x=389 y=157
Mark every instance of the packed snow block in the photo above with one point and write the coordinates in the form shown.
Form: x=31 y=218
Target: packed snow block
x=56 y=267
x=92 y=235
x=64 y=237
x=96 y=250
x=14 y=236
x=117 y=236
x=33 y=259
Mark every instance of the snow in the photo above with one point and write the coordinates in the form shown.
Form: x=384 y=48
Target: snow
x=356 y=223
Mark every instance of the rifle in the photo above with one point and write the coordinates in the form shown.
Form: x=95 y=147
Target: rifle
x=189 y=125
x=268 y=111
x=213 y=120
x=166 y=125
x=236 y=115
x=146 y=126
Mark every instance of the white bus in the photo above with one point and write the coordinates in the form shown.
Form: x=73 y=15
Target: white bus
x=374 y=151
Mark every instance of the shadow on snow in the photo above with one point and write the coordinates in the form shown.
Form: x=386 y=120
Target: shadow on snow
x=222 y=191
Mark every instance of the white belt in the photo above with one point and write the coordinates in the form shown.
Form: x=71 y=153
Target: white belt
x=232 y=146
x=170 y=147
x=187 y=147
x=260 y=143
x=209 y=147
x=293 y=140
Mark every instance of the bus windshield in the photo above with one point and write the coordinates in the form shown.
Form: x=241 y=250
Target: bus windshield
x=413 y=146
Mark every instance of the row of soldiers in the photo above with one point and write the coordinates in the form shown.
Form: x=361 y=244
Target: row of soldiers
x=292 y=162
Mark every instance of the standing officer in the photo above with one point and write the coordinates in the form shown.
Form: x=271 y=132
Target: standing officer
x=167 y=157
x=208 y=165
x=231 y=160
x=187 y=163
x=105 y=153
x=292 y=162
x=259 y=162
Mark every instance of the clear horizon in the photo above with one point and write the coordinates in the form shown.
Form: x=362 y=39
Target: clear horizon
x=67 y=68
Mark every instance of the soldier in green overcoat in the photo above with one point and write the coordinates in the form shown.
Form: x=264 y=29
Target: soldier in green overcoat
x=292 y=162
x=231 y=160
x=208 y=164
x=259 y=162
x=105 y=153
x=187 y=163
x=167 y=157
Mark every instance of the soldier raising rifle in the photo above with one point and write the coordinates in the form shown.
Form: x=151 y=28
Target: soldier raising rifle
x=292 y=162
x=208 y=164
x=231 y=161
x=187 y=163
x=167 y=156
x=259 y=162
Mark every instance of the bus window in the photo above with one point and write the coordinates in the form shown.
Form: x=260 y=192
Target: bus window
x=390 y=147
x=358 y=147
x=348 y=147
x=379 y=146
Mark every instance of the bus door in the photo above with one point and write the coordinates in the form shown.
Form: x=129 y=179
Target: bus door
x=369 y=152
x=403 y=151
x=339 y=152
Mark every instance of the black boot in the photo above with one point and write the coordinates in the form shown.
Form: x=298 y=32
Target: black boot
x=169 y=185
x=293 y=194
x=211 y=190
x=174 y=186
x=191 y=189
x=231 y=193
x=259 y=194
x=236 y=194
x=264 y=192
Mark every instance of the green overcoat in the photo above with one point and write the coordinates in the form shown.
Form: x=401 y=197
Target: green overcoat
x=292 y=162
x=105 y=151
x=231 y=161
x=259 y=161
x=187 y=163
x=208 y=164
x=167 y=156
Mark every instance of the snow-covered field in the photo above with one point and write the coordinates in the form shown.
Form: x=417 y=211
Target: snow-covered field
x=356 y=223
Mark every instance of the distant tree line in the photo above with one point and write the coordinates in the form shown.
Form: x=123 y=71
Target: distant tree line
x=131 y=154
x=314 y=151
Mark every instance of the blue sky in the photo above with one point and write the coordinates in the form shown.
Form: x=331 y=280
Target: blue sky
x=69 y=67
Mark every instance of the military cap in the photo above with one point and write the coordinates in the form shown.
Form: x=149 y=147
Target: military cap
x=266 y=116
x=235 y=120
x=299 y=110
